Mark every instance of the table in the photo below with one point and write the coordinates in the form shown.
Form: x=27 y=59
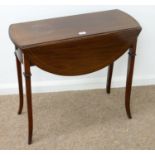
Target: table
x=74 y=45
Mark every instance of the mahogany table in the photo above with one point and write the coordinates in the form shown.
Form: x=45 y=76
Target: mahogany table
x=74 y=45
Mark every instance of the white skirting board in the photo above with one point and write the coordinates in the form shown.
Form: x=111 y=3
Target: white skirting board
x=79 y=84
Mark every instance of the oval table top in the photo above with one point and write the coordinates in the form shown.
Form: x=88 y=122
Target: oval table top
x=50 y=31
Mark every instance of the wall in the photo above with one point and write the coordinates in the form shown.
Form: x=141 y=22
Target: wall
x=43 y=82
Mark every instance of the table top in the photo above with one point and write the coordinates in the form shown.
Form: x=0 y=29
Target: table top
x=49 y=31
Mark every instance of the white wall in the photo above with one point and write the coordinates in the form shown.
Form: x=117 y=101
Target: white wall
x=42 y=81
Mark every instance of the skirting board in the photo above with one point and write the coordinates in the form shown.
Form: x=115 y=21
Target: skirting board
x=79 y=84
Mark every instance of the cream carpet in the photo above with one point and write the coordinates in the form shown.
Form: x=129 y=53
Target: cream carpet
x=81 y=120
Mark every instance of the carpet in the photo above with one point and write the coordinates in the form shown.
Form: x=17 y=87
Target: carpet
x=81 y=120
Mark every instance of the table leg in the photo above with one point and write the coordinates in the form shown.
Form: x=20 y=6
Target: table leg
x=131 y=60
x=27 y=75
x=109 y=77
x=20 y=84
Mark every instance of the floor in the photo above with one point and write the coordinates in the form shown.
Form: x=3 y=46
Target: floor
x=81 y=120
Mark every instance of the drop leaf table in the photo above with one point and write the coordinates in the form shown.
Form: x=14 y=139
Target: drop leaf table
x=74 y=45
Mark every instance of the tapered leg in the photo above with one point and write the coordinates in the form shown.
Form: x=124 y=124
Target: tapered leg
x=131 y=60
x=109 y=77
x=20 y=84
x=27 y=75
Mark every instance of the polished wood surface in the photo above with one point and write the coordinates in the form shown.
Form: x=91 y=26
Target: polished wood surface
x=27 y=75
x=37 y=33
x=131 y=60
x=82 y=56
x=19 y=75
x=74 y=45
x=109 y=77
